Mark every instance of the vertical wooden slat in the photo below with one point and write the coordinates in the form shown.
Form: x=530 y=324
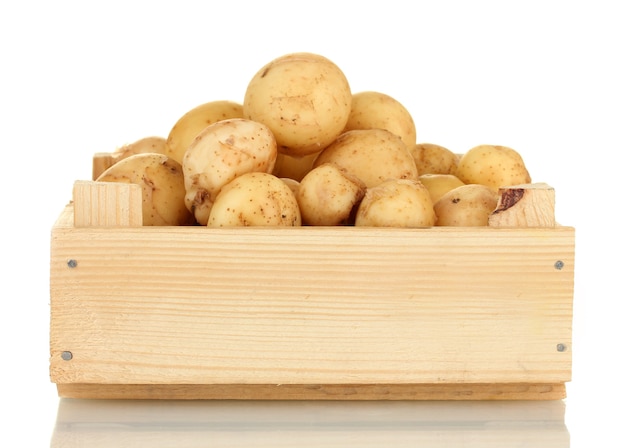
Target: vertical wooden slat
x=527 y=205
x=107 y=204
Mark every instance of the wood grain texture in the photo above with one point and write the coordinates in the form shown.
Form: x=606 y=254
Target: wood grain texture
x=526 y=205
x=309 y=312
x=107 y=204
x=331 y=392
x=101 y=162
x=310 y=305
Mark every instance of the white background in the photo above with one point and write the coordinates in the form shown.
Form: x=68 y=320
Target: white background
x=543 y=77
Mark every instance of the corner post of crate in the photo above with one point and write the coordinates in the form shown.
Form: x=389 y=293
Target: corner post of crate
x=107 y=204
x=100 y=163
x=525 y=205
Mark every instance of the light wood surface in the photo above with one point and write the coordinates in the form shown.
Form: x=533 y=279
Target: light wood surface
x=107 y=204
x=330 y=392
x=527 y=205
x=101 y=162
x=163 y=309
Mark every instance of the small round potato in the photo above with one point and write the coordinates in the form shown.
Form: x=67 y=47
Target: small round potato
x=493 y=166
x=466 y=206
x=439 y=184
x=396 y=203
x=434 y=159
x=372 y=155
x=371 y=110
x=303 y=98
x=154 y=144
x=188 y=126
x=162 y=183
x=255 y=199
x=221 y=152
x=328 y=195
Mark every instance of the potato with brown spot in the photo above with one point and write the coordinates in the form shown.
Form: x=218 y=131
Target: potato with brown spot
x=469 y=205
x=255 y=199
x=304 y=98
x=396 y=203
x=434 y=159
x=439 y=184
x=372 y=155
x=154 y=144
x=377 y=110
x=494 y=166
x=328 y=195
x=220 y=153
x=189 y=125
x=162 y=183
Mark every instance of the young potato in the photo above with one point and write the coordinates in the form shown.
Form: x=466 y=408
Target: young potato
x=104 y=160
x=327 y=196
x=469 y=205
x=162 y=183
x=303 y=98
x=493 y=166
x=434 y=159
x=371 y=110
x=255 y=199
x=439 y=184
x=189 y=125
x=153 y=144
x=221 y=152
x=396 y=203
x=372 y=155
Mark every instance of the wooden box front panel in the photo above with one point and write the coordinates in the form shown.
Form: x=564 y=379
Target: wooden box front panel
x=141 y=305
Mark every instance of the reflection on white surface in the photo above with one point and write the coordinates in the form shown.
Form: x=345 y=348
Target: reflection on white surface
x=181 y=424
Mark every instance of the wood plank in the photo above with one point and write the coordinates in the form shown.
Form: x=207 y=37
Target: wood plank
x=526 y=205
x=456 y=392
x=101 y=162
x=311 y=306
x=308 y=313
x=107 y=204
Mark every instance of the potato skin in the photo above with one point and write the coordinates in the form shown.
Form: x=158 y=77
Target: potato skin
x=377 y=110
x=304 y=98
x=255 y=199
x=466 y=206
x=154 y=144
x=221 y=152
x=327 y=196
x=439 y=184
x=162 y=183
x=431 y=158
x=492 y=165
x=189 y=125
x=372 y=155
x=396 y=203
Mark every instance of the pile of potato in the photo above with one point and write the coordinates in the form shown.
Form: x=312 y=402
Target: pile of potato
x=303 y=149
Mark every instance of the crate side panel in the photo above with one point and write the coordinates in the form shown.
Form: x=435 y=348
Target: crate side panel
x=311 y=306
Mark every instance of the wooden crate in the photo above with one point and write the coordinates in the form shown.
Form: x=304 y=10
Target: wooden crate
x=333 y=313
